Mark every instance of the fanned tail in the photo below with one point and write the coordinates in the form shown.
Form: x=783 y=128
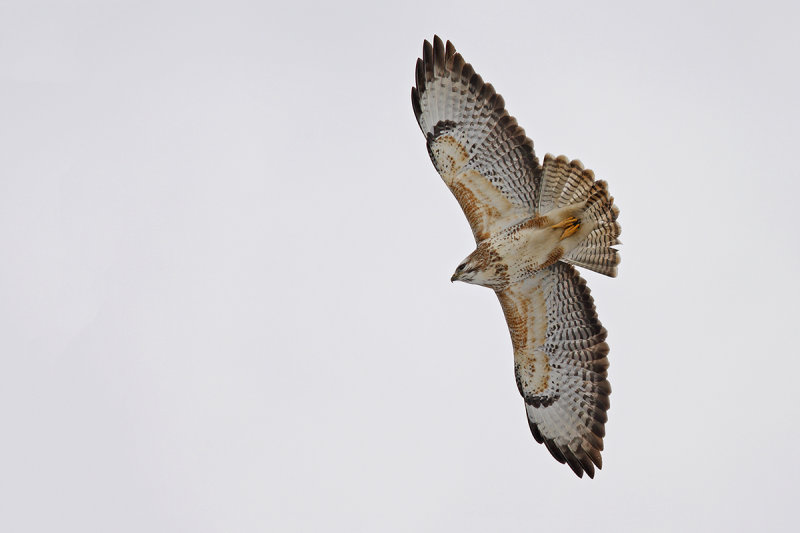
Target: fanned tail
x=566 y=182
x=596 y=251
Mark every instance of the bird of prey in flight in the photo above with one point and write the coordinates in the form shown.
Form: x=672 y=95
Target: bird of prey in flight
x=533 y=223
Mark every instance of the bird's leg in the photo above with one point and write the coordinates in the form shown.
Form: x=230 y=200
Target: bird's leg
x=570 y=225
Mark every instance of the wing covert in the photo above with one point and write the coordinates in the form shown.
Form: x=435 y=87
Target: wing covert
x=479 y=150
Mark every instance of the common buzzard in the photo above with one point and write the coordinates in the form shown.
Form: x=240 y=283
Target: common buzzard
x=532 y=223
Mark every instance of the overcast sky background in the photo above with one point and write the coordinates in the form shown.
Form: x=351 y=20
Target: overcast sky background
x=224 y=289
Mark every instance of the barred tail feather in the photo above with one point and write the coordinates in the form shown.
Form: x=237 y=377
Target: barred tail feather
x=563 y=182
x=596 y=251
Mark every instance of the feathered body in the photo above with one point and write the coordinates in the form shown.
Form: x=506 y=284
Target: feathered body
x=531 y=223
x=517 y=252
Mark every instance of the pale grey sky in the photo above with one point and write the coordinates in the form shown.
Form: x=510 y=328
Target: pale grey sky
x=225 y=300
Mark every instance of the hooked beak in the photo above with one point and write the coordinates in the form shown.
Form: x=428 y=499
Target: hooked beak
x=453 y=278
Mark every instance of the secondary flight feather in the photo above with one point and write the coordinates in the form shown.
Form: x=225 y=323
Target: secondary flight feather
x=532 y=223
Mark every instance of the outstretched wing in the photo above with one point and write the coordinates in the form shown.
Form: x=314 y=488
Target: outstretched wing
x=481 y=153
x=560 y=364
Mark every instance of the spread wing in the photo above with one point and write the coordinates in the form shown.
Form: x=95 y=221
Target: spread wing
x=481 y=153
x=560 y=363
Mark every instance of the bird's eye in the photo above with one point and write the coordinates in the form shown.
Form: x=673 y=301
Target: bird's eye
x=460 y=267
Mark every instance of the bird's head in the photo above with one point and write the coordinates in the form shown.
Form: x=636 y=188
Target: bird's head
x=466 y=271
x=482 y=267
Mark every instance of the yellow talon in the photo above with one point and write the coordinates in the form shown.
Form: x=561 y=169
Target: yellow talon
x=566 y=222
x=569 y=231
x=570 y=225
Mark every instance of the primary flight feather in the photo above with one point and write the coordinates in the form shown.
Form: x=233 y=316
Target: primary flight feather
x=532 y=222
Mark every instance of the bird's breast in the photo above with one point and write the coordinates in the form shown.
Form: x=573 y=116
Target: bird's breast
x=527 y=250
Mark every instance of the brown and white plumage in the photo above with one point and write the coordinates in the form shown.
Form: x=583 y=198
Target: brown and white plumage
x=531 y=223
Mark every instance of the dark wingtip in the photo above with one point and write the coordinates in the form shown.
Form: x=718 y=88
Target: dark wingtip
x=419 y=74
x=554 y=451
x=415 y=103
x=427 y=57
x=450 y=50
x=573 y=462
x=438 y=57
x=535 y=431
